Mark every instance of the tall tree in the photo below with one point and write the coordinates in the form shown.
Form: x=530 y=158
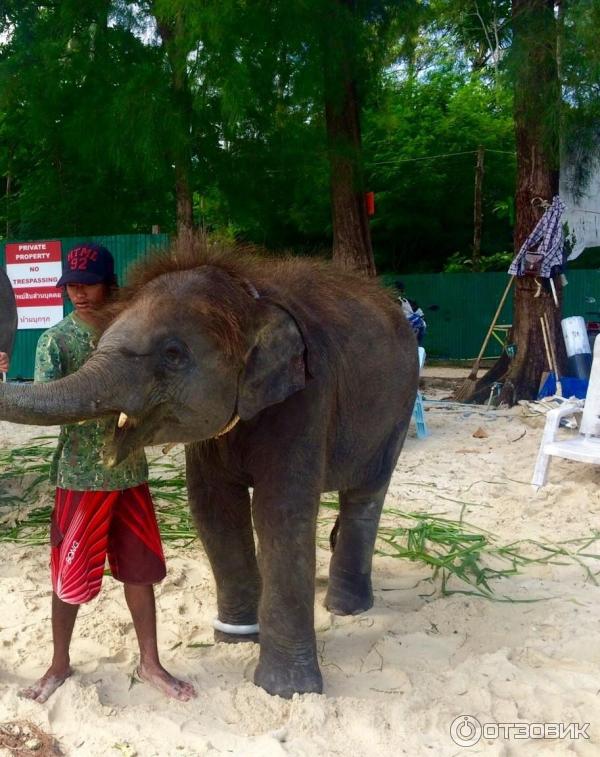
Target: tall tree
x=351 y=234
x=354 y=32
x=537 y=106
x=177 y=42
x=537 y=109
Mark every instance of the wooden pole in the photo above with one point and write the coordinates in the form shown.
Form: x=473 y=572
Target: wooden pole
x=478 y=209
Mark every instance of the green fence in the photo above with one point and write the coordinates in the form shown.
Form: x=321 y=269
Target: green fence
x=125 y=249
x=458 y=307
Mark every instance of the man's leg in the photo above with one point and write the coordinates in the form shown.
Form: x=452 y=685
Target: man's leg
x=63 y=621
x=140 y=600
x=71 y=518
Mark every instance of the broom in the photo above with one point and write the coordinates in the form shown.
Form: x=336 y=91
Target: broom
x=550 y=352
x=466 y=388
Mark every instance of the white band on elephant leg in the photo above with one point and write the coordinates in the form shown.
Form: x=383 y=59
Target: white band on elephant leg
x=237 y=630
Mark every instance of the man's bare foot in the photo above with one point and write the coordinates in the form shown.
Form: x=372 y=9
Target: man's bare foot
x=162 y=680
x=47 y=685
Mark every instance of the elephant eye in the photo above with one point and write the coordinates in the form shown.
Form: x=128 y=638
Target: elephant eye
x=175 y=354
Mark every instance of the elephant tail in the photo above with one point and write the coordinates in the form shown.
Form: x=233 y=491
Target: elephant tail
x=334 y=533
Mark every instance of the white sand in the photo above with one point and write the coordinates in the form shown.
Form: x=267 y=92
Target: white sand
x=395 y=677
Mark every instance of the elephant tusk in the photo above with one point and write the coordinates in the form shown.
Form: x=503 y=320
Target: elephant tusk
x=122 y=420
x=110 y=460
x=233 y=422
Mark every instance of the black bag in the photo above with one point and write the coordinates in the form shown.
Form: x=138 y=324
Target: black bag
x=533 y=263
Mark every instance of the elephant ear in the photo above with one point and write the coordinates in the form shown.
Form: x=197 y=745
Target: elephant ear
x=275 y=366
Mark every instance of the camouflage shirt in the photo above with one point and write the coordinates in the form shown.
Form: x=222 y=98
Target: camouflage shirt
x=78 y=462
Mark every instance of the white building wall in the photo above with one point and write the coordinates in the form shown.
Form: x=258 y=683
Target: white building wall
x=583 y=212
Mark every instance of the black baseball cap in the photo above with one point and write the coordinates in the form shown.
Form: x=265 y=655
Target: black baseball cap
x=88 y=264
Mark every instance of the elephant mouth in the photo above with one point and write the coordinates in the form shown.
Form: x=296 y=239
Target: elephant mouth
x=129 y=434
x=157 y=426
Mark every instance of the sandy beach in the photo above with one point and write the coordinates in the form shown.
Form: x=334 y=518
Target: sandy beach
x=396 y=677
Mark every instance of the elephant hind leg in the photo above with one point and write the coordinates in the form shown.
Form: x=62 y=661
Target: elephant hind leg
x=352 y=539
x=350 y=591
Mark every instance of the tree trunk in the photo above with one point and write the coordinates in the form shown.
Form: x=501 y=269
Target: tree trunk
x=185 y=207
x=171 y=34
x=351 y=234
x=478 y=210
x=536 y=93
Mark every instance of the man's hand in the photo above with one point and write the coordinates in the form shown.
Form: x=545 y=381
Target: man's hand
x=4 y=362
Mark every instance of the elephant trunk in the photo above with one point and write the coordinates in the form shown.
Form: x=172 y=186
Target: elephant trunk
x=88 y=393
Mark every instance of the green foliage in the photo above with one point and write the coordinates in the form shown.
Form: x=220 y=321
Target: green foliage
x=420 y=152
x=99 y=101
x=82 y=119
x=589 y=260
x=459 y=263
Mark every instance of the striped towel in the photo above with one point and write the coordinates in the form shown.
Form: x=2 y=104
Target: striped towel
x=547 y=239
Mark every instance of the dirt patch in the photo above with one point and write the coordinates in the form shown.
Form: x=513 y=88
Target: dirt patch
x=446 y=383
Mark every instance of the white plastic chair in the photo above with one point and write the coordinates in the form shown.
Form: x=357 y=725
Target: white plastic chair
x=419 y=410
x=584 y=447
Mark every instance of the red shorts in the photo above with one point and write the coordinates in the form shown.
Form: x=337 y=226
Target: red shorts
x=88 y=526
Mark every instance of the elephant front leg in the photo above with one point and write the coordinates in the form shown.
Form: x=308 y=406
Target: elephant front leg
x=286 y=537
x=350 y=591
x=224 y=523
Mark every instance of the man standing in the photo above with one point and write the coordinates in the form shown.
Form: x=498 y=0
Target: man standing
x=99 y=512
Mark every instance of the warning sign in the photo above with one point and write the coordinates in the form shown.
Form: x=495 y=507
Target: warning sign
x=34 y=269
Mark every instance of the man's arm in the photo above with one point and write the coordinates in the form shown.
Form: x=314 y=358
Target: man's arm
x=4 y=362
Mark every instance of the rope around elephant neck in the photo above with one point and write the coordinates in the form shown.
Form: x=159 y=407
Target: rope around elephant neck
x=233 y=422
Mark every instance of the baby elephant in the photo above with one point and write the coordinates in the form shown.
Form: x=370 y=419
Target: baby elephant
x=291 y=377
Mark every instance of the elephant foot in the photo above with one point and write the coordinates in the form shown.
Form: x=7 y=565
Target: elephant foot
x=285 y=679
x=349 y=593
x=235 y=638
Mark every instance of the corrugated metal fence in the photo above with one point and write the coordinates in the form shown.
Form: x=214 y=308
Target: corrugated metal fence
x=125 y=249
x=458 y=307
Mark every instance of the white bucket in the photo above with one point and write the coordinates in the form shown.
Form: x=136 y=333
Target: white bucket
x=575 y=336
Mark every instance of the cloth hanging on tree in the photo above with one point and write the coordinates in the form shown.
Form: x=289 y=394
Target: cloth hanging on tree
x=547 y=240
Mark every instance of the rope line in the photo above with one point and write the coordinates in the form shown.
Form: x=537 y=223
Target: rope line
x=440 y=155
x=426 y=157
